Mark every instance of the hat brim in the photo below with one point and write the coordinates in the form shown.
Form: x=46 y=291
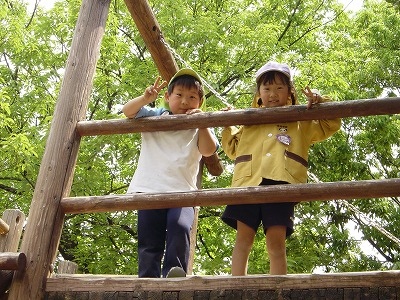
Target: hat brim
x=185 y=71
x=273 y=70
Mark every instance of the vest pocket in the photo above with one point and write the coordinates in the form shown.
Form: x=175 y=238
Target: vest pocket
x=242 y=167
x=296 y=166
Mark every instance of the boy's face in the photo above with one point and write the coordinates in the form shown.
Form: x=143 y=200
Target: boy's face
x=274 y=94
x=182 y=99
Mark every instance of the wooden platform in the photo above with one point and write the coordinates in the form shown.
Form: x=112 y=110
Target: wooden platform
x=383 y=285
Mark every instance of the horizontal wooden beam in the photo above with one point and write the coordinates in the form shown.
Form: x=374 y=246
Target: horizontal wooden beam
x=12 y=261
x=215 y=197
x=250 y=116
x=111 y=283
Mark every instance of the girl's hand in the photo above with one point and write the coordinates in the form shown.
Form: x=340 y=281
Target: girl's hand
x=152 y=91
x=313 y=97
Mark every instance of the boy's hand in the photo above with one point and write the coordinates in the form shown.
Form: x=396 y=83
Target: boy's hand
x=313 y=97
x=228 y=108
x=151 y=93
x=193 y=111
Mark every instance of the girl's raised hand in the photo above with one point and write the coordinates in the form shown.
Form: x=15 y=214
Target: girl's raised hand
x=313 y=97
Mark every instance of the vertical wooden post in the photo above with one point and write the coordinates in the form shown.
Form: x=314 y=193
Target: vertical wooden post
x=193 y=231
x=193 y=239
x=45 y=219
x=67 y=267
x=9 y=242
x=14 y=219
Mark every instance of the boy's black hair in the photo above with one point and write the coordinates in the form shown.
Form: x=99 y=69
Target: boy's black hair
x=187 y=81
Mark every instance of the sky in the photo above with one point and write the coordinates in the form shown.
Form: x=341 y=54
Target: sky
x=351 y=5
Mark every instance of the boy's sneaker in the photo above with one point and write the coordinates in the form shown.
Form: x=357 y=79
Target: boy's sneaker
x=176 y=272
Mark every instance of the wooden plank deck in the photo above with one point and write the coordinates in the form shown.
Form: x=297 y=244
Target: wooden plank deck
x=381 y=285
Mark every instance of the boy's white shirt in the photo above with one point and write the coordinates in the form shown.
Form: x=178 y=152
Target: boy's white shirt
x=168 y=162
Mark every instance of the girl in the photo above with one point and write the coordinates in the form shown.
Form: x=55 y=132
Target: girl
x=270 y=154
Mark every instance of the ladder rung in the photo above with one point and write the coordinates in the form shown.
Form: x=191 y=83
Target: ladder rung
x=362 y=189
x=12 y=261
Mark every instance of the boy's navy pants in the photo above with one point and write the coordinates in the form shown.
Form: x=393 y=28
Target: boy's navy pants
x=159 y=230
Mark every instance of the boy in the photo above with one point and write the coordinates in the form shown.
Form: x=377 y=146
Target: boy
x=168 y=162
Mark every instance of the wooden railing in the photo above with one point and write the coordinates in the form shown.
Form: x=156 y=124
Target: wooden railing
x=301 y=192
x=212 y=197
x=250 y=116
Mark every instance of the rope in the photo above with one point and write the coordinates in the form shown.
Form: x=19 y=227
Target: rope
x=363 y=218
x=182 y=61
x=367 y=221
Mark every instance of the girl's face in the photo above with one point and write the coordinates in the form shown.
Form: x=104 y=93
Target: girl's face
x=275 y=93
x=182 y=99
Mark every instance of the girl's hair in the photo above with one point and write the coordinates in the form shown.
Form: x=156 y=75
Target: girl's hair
x=270 y=77
x=188 y=82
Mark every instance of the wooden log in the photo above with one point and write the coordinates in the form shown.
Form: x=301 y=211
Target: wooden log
x=203 y=283
x=374 y=293
x=9 y=242
x=150 y=31
x=250 y=116
x=43 y=230
x=4 y=228
x=67 y=267
x=214 y=164
x=193 y=238
x=215 y=197
x=12 y=261
x=15 y=220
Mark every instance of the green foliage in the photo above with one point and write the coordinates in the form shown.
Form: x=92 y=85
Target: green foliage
x=104 y=243
x=345 y=56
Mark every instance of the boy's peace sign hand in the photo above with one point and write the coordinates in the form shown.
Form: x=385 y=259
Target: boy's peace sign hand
x=152 y=91
x=313 y=97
